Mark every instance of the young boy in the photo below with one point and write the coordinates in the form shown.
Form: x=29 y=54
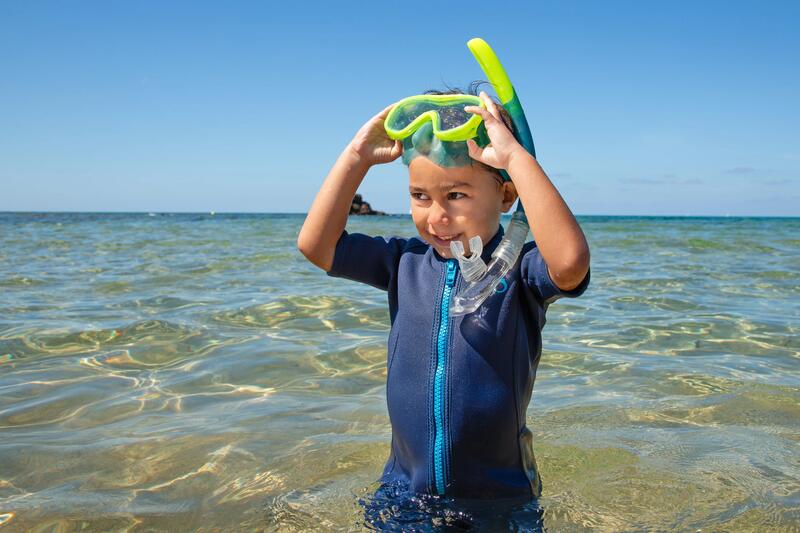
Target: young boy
x=457 y=388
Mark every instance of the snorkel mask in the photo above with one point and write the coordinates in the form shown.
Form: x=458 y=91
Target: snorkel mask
x=437 y=127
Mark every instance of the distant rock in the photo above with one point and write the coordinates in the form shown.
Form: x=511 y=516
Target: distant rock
x=360 y=207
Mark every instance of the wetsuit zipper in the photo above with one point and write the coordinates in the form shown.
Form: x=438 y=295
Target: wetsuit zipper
x=439 y=438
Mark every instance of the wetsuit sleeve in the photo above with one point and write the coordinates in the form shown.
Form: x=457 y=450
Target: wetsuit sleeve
x=370 y=260
x=533 y=270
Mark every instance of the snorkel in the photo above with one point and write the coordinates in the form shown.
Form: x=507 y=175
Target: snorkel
x=481 y=278
x=437 y=127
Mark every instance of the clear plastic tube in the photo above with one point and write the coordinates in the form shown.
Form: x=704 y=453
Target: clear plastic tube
x=504 y=257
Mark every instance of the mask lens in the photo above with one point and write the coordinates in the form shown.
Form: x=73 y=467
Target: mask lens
x=407 y=113
x=451 y=117
x=448 y=110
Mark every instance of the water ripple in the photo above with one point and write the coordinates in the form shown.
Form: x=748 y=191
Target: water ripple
x=195 y=373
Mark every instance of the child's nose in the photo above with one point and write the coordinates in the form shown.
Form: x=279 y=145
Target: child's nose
x=437 y=214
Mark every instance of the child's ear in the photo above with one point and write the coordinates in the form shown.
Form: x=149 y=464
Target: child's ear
x=509 y=192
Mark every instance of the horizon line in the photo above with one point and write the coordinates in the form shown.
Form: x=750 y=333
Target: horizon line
x=214 y=213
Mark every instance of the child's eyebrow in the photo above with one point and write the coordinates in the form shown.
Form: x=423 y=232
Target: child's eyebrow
x=446 y=186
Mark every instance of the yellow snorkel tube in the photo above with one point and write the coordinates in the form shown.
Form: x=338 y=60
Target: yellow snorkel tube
x=483 y=279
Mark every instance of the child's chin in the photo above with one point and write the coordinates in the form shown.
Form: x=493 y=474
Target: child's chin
x=442 y=248
x=444 y=252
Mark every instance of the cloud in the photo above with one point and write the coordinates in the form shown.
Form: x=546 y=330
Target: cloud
x=739 y=170
x=663 y=179
x=765 y=176
x=778 y=181
x=642 y=181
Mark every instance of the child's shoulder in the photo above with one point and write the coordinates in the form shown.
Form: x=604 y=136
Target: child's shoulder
x=405 y=244
x=361 y=245
x=415 y=243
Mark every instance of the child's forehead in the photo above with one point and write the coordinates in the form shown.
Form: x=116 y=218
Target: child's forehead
x=443 y=184
x=431 y=176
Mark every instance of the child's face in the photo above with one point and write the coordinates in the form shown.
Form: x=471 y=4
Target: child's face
x=456 y=203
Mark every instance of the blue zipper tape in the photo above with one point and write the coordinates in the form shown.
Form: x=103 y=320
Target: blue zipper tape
x=439 y=458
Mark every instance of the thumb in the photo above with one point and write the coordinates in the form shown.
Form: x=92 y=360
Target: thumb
x=475 y=151
x=397 y=149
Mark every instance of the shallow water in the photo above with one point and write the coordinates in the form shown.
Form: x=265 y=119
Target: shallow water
x=194 y=373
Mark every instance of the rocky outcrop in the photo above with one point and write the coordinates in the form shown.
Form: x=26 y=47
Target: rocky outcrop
x=360 y=207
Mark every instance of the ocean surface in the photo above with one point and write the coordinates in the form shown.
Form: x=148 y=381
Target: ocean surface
x=194 y=373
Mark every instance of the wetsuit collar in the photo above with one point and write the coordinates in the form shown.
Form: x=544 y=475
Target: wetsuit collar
x=489 y=247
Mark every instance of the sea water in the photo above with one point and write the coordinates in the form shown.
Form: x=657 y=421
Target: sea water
x=192 y=372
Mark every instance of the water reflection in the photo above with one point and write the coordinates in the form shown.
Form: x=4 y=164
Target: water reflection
x=194 y=373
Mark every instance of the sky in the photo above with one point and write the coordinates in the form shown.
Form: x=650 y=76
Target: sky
x=637 y=108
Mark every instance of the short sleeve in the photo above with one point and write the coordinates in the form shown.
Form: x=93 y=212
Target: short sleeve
x=534 y=272
x=370 y=260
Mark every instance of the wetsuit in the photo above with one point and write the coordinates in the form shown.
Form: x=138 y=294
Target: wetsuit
x=457 y=387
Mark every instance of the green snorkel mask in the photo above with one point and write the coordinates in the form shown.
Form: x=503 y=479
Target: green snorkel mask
x=437 y=127
x=444 y=112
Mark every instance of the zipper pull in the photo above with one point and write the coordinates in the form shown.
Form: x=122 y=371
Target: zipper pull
x=451 y=272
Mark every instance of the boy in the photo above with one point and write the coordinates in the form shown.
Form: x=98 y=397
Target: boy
x=458 y=387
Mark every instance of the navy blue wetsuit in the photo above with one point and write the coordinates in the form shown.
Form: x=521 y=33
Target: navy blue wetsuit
x=457 y=387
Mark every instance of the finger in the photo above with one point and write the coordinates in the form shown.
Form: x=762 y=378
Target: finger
x=475 y=151
x=488 y=118
x=490 y=104
x=475 y=110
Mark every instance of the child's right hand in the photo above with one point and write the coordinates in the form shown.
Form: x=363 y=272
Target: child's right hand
x=371 y=144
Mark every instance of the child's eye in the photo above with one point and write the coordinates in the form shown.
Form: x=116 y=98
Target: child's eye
x=419 y=196
x=455 y=195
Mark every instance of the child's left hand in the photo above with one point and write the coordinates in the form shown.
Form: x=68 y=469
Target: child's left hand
x=502 y=145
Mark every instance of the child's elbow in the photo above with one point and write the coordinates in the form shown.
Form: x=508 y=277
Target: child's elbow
x=305 y=247
x=302 y=246
x=312 y=252
x=572 y=271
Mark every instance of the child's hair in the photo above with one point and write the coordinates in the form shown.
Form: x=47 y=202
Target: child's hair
x=473 y=89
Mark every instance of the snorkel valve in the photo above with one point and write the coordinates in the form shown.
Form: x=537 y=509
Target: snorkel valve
x=482 y=280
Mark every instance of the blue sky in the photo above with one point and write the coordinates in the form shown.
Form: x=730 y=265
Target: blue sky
x=641 y=108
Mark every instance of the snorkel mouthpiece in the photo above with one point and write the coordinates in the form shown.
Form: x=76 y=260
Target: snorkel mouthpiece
x=504 y=257
x=472 y=268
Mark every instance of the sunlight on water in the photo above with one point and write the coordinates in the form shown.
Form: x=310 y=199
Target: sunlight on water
x=194 y=373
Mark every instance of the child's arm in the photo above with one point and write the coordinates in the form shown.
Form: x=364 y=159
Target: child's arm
x=558 y=236
x=328 y=214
